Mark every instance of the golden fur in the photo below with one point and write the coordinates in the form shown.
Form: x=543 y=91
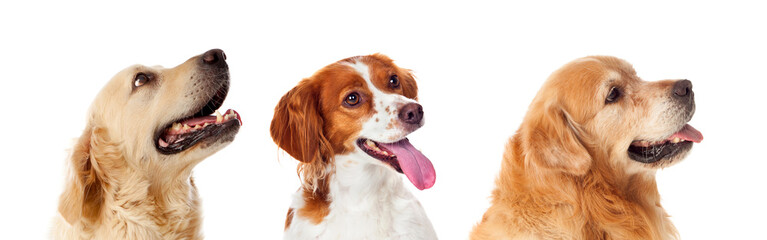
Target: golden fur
x=120 y=187
x=566 y=174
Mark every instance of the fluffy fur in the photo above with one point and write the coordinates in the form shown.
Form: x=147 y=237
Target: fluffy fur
x=347 y=194
x=566 y=173
x=120 y=186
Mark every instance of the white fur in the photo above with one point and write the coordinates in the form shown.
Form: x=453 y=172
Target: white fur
x=369 y=201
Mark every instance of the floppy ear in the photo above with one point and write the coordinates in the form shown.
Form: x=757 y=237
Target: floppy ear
x=409 y=87
x=551 y=141
x=84 y=194
x=297 y=126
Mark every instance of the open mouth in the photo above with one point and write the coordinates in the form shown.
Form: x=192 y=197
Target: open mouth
x=403 y=158
x=653 y=151
x=379 y=152
x=206 y=123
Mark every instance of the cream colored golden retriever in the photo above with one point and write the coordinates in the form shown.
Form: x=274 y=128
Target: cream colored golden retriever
x=582 y=165
x=131 y=168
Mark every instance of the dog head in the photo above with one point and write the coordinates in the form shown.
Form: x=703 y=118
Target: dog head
x=166 y=113
x=155 y=120
x=599 y=106
x=361 y=105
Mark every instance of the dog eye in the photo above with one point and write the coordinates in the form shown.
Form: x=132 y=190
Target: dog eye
x=352 y=99
x=394 y=81
x=140 y=80
x=613 y=96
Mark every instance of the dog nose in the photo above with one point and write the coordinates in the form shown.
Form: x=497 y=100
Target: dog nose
x=682 y=88
x=214 y=57
x=411 y=113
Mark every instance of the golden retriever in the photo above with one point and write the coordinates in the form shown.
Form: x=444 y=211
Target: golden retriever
x=131 y=168
x=582 y=165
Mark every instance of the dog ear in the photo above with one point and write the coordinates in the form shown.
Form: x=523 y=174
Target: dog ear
x=551 y=141
x=409 y=87
x=84 y=194
x=297 y=126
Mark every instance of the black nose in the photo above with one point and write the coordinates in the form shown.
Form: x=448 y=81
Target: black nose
x=682 y=88
x=411 y=113
x=214 y=57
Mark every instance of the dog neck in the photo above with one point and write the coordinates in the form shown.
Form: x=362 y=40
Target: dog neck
x=354 y=187
x=358 y=180
x=171 y=184
x=166 y=204
x=602 y=201
x=360 y=193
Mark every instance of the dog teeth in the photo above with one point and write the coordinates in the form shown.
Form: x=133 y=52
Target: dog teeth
x=675 y=140
x=372 y=145
x=219 y=118
x=185 y=127
x=197 y=127
x=176 y=126
x=205 y=125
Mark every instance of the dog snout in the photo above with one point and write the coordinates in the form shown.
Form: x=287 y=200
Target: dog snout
x=682 y=93
x=214 y=57
x=411 y=113
x=682 y=89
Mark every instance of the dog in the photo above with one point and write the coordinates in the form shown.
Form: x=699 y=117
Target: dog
x=131 y=168
x=582 y=165
x=348 y=125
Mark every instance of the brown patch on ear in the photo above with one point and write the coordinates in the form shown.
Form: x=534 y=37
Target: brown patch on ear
x=409 y=87
x=83 y=197
x=297 y=126
x=550 y=141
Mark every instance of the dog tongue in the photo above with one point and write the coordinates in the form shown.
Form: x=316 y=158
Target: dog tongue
x=688 y=133
x=413 y=163
x=199 y=120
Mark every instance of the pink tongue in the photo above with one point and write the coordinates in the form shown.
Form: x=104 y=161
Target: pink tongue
x=199 y=120
x=414 y=164
x=688 y=133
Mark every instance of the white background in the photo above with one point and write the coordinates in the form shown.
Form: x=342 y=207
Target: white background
x=478 y=65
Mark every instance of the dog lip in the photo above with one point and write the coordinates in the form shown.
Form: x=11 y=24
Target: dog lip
x=186 y=137
x=656 y=153
x=667 y=148
x=391 y=160
x=191 y=139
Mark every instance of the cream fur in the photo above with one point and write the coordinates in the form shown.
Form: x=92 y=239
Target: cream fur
x=120 y=186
